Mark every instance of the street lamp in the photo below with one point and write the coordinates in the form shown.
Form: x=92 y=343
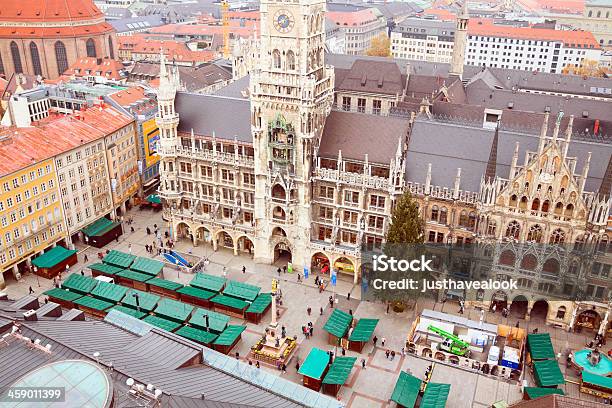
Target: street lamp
x=178 y=268
x=206 y=323
x=36 y=273
x=137 y=297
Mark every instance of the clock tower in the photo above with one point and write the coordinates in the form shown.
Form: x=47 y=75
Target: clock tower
x=291 y=95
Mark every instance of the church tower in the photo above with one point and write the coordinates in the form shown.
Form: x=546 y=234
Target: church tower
x=460 y=42
x=291 y=95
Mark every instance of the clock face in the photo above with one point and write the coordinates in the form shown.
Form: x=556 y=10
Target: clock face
x=283 y=21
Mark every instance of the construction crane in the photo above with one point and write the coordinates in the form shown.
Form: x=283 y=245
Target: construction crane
x=225 y=24
x=451 y=343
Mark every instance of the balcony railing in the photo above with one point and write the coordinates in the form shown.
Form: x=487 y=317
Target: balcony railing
x=375 y=182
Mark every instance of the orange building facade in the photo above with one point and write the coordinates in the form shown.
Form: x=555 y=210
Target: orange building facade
x=45 y=37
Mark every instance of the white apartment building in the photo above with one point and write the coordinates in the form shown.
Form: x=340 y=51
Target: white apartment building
x=359 y=27
x=423 y=40
x=529 y=49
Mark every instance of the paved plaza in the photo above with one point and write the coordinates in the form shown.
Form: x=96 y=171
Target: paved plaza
x=369 y=387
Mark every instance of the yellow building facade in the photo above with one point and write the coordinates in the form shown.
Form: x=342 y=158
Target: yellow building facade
x=31 y=217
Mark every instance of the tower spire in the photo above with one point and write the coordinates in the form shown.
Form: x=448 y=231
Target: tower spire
x=460 y=42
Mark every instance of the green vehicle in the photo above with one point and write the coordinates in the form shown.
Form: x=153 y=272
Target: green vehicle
x=451 y=343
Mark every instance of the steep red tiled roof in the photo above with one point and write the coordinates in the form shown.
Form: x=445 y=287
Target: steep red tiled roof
x=55 y=135
x=441 y=14
x=173 y=50
x=49 y=11
x=582 y=39
x=106 y=67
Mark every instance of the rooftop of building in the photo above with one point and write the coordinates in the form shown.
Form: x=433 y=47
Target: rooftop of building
x=382 y=77
x=354 y=17
x=440 y=14
x=55 y=135
x=135 y=100
x=204 y=29
x=572 y=39
x=137 y=23
x=193 y=79
x=174 y=50
x=37 y=11
x=104 y=67
x=424 y=23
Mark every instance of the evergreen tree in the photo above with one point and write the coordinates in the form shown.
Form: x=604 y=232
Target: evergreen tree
x=407 y=227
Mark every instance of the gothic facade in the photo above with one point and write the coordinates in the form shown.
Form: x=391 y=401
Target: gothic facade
x=293 y=173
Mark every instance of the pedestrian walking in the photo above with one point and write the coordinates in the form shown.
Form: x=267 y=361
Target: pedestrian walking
x=348 y=296
x=283 y=331
x=132 y=229
x=284 y=368
x=82 y=272
x=403 y=351
x=285 y=269
x=278 y=270
x=46 y=300
x=387 y=354
x=250 y=362
x=321 y=311
x=517 y=324
x=311 y=330
x=130 y=248
x=31 y=290
x=387 y=312
x=363 y=363
x=299 y=277
x=224 y=271
x=257 y=364
x=148 y=231
x=343 y=351
x=382 y=341
x=243 y=269
x=308 y=310
x=374 y=340
x=297 y=365
x=392 y=354
x=237 y=356
x=351 y=312
x=85 y=258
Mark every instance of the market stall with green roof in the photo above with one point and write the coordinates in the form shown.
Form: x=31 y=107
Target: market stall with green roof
x=162 y=323
x=195 y=296
x=109 y=292
x=361 y=334
x=531 y=393
x=199 y=336
x=547 y=373
x=133 y=279
x=241 y=290
x=597 y=385
x=173 y=310
x=208 y=282
x=80 y=284
x=229 y=305
x=103 y=269
x=435 y=395
x=119 y=259
x=217 y=322
x=144 y=301
x=406 y=390
x=93 y=306
x=63 y=297
x=130 y=312
x=338 y=374
x=147 y=266
x=54 y=261
x=228 y=339
x=337 y=325
x=539 y=347
x=314 y=368
x=101 y=232
x=258 y=308
x=153 y=201
x=164 y=287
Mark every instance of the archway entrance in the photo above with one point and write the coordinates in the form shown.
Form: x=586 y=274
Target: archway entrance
x=589 y=320
x=518 y=308
x=225 y=240
x=183 y=231
x=245 y=245
x=499 y=300
x=320 y=263
x=344 y=265
x=282 y=253
x=539 y=311
x=203 y=235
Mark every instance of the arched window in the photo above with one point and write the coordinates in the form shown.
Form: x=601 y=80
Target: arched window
x=276 y=59
x=443 y=213
x=523 y=203
x=61 y=57
x=491 y=228
x=434 y=213
x=557 y=236
x=513 y=230
x=579 y=244
x=590 y=13
x=535 y=233
x=513 y=200
x=35 y=59
x=535 y=205
x=290 y=60
x=90 y=45
x=507 y=258
x=551 y=266
x=599 y=14
x=472 y=221
x=111 y=50
x=603 y=244
x=545 y=206
x=558 y=208
x=529 y=262
x=16 y=57
x=569 y=210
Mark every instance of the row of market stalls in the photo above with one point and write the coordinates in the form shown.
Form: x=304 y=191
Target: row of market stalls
x=169 y=305
x=409 y=389
x=545 y=367
x=346 y=331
